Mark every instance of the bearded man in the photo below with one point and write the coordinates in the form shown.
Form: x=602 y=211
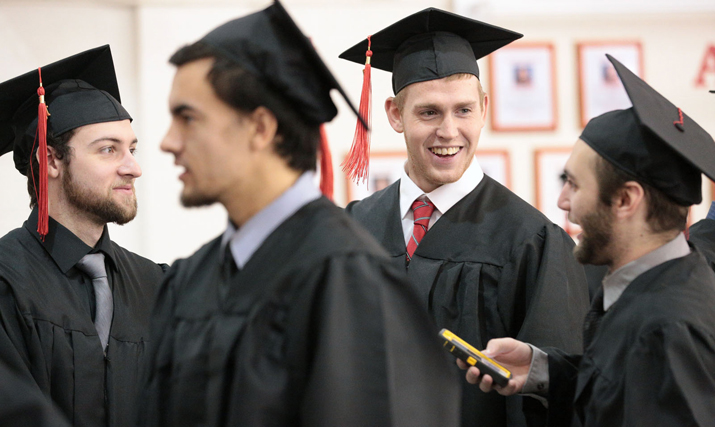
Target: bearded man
x=74 y=306
x=649 y=338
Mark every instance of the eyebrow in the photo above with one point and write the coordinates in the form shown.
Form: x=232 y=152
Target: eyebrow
x=436 y=107
x=567 y=175
x=175 y=111
x=112 y=139
x=466 y=104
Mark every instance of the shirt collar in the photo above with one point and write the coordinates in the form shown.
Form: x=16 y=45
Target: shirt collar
x=65 y=248
x=246 y=240
x=615 y=283
x=444 y=196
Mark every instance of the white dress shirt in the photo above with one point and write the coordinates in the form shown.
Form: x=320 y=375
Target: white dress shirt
x=443 y=197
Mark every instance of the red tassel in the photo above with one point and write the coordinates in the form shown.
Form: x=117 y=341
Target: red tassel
x=358 y=161
x=679 y=123
x=41 y=136
x=326 y=165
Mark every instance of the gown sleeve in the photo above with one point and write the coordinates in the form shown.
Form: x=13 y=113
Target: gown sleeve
x=543 y=295
x=158 y=359
x=12 y=350
x=376 y=357
x=563 y=375
x=670 y=378
x=24 y=405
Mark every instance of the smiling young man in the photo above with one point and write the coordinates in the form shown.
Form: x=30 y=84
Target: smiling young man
x=74 y=306
x=649 y=338
x=294 y=316
x=485 y=263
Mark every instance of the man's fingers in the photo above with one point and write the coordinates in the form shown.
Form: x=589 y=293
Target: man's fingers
x=499 y=346
x=486 y=384
x=473 y=375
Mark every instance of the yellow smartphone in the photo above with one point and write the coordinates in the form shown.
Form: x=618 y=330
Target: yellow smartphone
x=471 y=356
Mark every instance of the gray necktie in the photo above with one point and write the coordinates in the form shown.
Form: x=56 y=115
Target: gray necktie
x=93 y=266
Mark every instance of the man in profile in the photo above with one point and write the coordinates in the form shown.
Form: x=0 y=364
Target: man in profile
x=649 y=338
x=294 y=315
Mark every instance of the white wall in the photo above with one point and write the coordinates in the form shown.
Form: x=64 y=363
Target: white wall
x=144 y=36
x=673 y=48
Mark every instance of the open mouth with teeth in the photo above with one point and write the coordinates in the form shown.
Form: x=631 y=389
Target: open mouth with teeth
x=445 y=151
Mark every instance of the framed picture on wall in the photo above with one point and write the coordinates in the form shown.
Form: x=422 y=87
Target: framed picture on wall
x=386 y=168
x=495 y=163
x=522 y=81
x=600 y=89
x=549 y=167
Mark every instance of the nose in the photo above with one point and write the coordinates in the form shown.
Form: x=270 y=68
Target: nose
x=171 y=141
x=130 y=166
x=564 y=203
x=448 y=128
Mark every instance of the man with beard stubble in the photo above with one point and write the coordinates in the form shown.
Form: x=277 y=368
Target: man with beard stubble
x=294 y=316
x=649 y=338
x=74 y=305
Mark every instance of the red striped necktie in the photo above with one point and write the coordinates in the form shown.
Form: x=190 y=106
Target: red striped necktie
x=421 y=212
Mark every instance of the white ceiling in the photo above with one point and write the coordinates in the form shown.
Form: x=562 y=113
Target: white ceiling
x=580 y=7
x=246 y=3
x=467 y=7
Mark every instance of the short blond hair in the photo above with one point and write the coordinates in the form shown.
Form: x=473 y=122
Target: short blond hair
x=399 y=99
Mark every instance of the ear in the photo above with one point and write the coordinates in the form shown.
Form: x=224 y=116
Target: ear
x=265 y=126
x=629 y=201
x=393 y=115
x=54 y=165
x=484 y=110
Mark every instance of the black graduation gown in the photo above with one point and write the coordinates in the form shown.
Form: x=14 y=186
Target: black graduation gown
x=594 y=277
x=47 y=332
x=317 y=329
x=491 y=266
x=23 y=404
x=702 y=235
x=652 y=359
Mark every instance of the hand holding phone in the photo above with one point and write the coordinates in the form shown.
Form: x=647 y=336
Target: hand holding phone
x=473 y=357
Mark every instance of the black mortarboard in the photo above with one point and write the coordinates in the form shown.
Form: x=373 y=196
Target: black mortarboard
x=654 y=141
x=430 y=44
x=269 y=45
x=78 y=91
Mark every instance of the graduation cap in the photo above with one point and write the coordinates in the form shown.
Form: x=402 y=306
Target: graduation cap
x=269 y=45
x=72 y=92
x=654 y=141
x=427 y=45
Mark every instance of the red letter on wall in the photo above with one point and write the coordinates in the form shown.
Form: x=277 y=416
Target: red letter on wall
x=708 y=66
